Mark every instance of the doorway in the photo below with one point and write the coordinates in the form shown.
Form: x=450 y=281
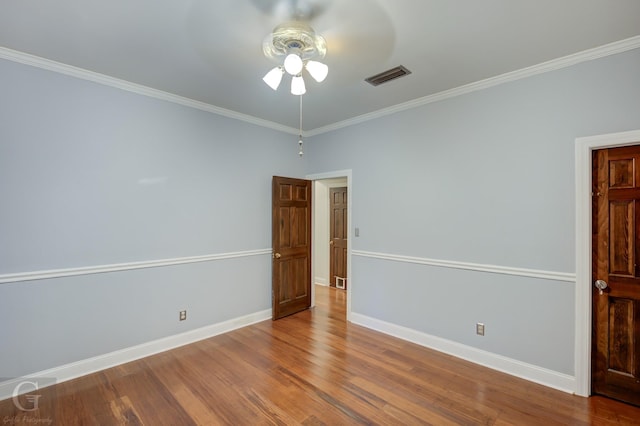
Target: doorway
x=584 y=148
x=320 y=264
x=338 y=237
x=615 y=361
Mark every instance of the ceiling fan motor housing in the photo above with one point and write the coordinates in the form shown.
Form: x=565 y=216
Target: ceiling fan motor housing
x=294 y=37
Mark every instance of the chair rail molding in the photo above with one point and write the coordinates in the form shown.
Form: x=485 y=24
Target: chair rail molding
x=479 y=267
x=101 y=269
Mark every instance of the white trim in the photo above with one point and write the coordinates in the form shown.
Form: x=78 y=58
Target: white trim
x=554 y=64
x=505 y=270
x=112 y=359
x=47 y=64
x=533 y=373
x=321 y=281
x=330 y=175
x=583 y=148
x=100 y=269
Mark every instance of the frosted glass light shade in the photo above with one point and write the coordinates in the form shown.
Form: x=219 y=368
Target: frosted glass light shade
x=274 y=77
x=297 y=86
x=293 y=64
x=318 y=70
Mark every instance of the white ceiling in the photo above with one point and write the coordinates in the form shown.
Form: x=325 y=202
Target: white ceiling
x=210 y=50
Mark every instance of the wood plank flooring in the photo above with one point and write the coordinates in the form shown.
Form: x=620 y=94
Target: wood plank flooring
x=311 y=368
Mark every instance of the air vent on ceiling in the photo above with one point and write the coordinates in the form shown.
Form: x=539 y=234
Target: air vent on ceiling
x=388 y=75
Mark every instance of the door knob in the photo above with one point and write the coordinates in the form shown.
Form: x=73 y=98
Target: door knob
x=601 y=285
x=331 y=242
x=277 y=255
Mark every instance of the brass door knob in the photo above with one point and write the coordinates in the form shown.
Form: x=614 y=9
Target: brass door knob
x=277 y=255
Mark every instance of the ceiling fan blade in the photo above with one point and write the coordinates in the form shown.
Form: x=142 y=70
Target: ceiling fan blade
x=214 y=40
x=286 y=10
x=361 y=41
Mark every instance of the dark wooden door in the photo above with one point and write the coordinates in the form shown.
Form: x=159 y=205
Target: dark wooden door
x=338 y=234
x=291 y=234
x=616 y=309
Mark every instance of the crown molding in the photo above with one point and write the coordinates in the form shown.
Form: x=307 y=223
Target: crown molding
x=81 y=73
x=554 y=64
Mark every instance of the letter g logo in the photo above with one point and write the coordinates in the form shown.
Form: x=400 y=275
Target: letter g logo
x=31 y=399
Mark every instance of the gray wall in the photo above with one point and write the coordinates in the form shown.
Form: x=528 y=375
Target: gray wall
x=488 y=178
x=91 y=175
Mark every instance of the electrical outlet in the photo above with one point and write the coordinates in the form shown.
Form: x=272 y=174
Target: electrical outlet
x=183 y=315
x=480 y=329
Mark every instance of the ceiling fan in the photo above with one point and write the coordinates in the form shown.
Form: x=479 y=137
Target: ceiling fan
x=296 y=46
x=359 y=37
x=298 y=49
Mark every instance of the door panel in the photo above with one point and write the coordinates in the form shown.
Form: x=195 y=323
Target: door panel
x=338 y=233
x=291 y=231
x=291 y=288
x=621 y=224
x=621 y=336
x=616 y=241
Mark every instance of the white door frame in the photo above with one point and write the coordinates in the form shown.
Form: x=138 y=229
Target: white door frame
x=584 y=147
x=330 y=175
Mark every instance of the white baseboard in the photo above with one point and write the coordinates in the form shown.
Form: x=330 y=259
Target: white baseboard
x=514 y=367
x=501 y=363
x=321 y=281
x=112 y=359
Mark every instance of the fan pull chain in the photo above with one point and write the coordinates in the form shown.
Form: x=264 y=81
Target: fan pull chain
x=300 y=152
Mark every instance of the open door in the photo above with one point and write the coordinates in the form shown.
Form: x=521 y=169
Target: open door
x=291 y=235
x=338 y=233
x=616 y=271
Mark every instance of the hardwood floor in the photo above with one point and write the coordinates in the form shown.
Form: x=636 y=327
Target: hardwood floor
x=311 y=368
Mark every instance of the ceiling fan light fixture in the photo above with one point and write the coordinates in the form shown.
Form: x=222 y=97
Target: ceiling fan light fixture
x=317 y=70
x=297 y=86
x=296 y=46
x=293 y=64
x=274 y=77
